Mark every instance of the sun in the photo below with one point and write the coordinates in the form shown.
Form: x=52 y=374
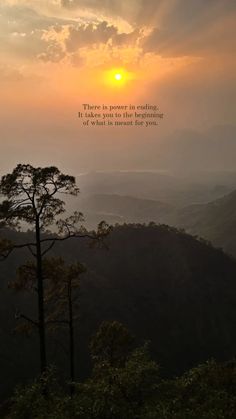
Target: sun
x=118 y=76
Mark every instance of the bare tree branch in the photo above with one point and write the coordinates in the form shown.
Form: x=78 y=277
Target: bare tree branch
x=19 y=315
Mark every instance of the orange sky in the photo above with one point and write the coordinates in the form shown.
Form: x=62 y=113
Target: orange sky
x=54 y=56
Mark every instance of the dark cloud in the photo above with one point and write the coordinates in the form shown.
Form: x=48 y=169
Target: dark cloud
x=176 y=27
x=180 y=27
x=123 y=39
x=91 y=34
x=86 y=35
x=30 y=34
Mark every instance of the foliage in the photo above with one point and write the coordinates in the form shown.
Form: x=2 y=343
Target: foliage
x=129 y=386
x=119 y=392
x=32 y=191
x=60 y=281
x=122 y=381
x=29 y=401
x=135 y=391
x=111 y=344
x=207 y=392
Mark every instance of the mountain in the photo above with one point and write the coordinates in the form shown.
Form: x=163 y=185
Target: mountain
x=124 y=196
x=118 y=209
x=177 y=189
x=215 y=221
x=167 y=287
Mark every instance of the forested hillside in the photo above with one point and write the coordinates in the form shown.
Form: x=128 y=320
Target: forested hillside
x=177 y=292
x=215 y=221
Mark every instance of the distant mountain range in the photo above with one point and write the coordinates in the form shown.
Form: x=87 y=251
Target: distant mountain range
x=176 y=189
x=215 y=221
x=119 y=209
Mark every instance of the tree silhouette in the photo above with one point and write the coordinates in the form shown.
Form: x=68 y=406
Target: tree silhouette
x=61 y=292
x=62 y=296
x=32 y=198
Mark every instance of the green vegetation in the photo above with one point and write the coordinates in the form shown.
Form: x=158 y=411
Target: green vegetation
x=126 y=384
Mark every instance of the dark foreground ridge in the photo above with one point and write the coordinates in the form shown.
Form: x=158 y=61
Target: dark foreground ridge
x=167 y=287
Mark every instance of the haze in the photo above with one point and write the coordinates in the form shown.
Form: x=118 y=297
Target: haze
x=52 y=57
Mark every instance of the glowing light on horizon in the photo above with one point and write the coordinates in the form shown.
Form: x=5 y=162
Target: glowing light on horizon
x=117 y=77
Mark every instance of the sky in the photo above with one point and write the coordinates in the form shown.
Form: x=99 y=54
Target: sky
x=54 y=56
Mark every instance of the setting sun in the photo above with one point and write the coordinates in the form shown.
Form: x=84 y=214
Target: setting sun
x=118 y=76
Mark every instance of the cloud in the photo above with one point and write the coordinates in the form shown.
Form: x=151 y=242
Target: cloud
x=54 y=53
x=87 y=35
x=22 y=33
x=29 y=34
x=100 y=33
x=177 y=27
x=168 y=28
x=124 y=39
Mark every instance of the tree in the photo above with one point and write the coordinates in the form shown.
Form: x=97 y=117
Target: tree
x=4 y=243
x=32 y=198
x=111 y=344
x=124 y=381
x=61 y=291
x=62 y=296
